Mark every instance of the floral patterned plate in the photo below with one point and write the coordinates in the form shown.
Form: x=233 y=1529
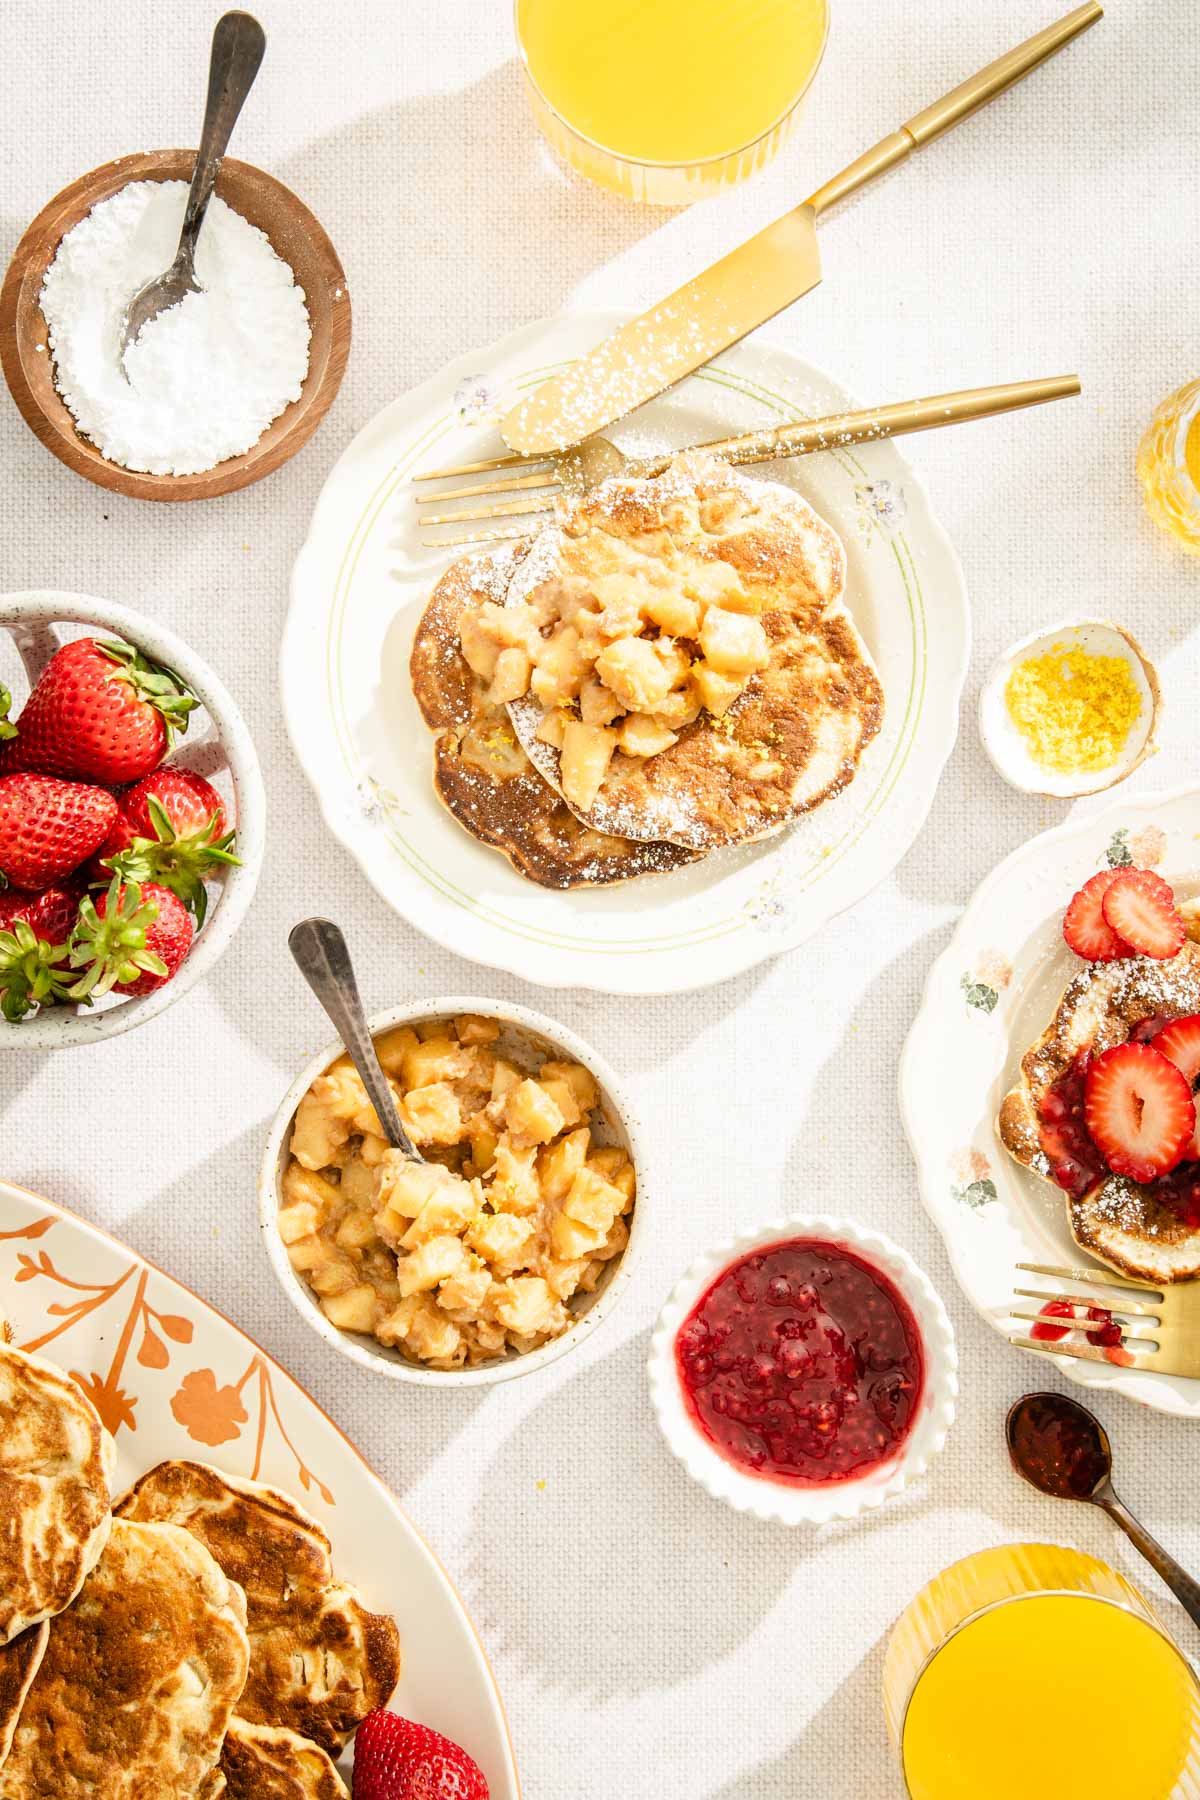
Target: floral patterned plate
x=361 y=582
x=172 y=1378
x=989 y=995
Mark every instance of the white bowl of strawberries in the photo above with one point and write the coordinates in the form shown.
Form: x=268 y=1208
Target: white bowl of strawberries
x=132 y=820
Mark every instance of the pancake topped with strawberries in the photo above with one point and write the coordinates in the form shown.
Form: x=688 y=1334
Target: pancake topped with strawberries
x=1105 y=1106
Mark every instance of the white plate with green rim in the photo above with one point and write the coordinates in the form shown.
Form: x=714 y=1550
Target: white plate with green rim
x=989 y=996
x=361 y=582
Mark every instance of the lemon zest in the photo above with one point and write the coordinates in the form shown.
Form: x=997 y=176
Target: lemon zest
x=1073 y=708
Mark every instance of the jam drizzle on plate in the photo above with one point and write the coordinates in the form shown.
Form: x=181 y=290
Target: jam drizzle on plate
x=802 y=1364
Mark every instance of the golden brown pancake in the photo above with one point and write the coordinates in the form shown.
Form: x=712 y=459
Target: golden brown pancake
x=139 y=1678
x=483 y=776
x=19 y=1663
x=56 y=1462
x=320 y=1661
x=794 y=738
x=1130 y=1226
x=267 y=1762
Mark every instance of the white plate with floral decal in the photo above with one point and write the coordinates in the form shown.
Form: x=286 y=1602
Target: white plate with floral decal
x=989 y=995
x=172 y=1378
x=359 y=587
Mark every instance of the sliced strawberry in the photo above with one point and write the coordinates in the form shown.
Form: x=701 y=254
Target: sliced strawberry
x=1179 y=1042
x=1140 y=907
x=1139 y=1111
x=1085 y=928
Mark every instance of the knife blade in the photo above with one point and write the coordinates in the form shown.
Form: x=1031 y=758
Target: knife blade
x=751 y=284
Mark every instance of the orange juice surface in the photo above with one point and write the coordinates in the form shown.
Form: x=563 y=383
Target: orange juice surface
x=1059 y=1695
x=672 y=81
x=1169 y=466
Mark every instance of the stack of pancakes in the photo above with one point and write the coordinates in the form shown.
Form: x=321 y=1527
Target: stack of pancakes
x=189 y=1639
x=1135 y=1227
x=792 y=740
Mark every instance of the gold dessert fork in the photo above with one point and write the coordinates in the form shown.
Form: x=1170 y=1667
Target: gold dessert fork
x=540 y=481
x=1160 y=1327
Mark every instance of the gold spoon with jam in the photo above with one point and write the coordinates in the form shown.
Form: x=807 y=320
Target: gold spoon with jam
x=1063 y=1450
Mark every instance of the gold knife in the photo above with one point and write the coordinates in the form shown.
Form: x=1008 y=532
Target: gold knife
x=752 y=283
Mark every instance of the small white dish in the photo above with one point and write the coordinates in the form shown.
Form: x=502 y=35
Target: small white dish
x=525 y=1035
x=217 y=746
x=773 y=1500
x=1008 y=750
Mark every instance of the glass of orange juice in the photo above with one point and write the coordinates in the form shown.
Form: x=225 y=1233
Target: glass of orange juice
x=667 y=101
x=1169 y=466
x=1037 y=1670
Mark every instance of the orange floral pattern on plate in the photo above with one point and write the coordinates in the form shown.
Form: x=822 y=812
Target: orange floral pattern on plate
x=211 y=1413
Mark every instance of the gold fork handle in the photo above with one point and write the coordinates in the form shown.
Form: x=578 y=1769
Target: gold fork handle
x=882 y=421
x=955 y=106
x=1181 y=1584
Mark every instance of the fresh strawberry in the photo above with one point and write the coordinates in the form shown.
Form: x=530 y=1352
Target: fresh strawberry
x=100 y=712
x=130 y=940
x=51 y=915
x=170 y=828
x=1139 y=1111
x=35 y=930
x=1179 y=1042
x=48 y=828
x=1085 y=927
x=7 y=728
x=1140 y=907
x=397 y=1760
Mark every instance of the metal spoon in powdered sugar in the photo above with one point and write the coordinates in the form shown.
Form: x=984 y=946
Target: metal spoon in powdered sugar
x=237 y=51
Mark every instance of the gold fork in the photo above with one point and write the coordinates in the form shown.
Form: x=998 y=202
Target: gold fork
x=1160 y=1328
x=541 y=480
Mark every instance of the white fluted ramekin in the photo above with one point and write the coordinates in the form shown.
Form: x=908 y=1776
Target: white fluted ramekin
x=775 y=1500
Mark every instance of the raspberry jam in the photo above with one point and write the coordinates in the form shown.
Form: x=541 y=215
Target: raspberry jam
x=1107 y=1335
x=1057 y=1445
x=1075 y=1162
x=802 y=1364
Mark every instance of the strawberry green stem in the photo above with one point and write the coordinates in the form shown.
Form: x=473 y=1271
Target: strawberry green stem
x=110 y=948
x=166 y=691
x=178 y=863
x=33 y=973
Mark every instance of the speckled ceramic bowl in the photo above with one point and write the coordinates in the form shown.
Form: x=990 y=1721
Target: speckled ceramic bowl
x=1007 y=748
x=217 y=745
x=526 y=1034
x=774 y=1500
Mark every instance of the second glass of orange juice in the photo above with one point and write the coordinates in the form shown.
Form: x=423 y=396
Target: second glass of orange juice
x=669 y=100
x=1036 y=1670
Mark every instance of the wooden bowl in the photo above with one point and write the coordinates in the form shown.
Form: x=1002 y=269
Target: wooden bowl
x=295 y=235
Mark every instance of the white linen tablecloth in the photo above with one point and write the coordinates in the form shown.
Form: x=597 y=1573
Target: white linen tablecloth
x=648 y=1642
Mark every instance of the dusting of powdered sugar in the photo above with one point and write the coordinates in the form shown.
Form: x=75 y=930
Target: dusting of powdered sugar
x=673 y=814
x=205 y=378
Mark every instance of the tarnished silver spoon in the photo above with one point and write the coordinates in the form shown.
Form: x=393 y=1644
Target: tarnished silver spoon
x=1063 y=1450
x=324 y=961
x=237 y=51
